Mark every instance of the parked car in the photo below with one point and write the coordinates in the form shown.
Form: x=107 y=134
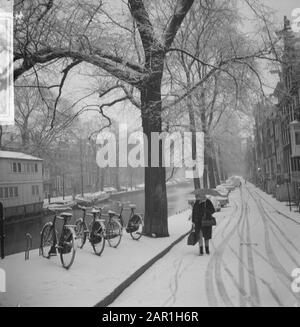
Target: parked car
x=222 y=190
x=223 y=200
x=235 y=180
x=230 y=187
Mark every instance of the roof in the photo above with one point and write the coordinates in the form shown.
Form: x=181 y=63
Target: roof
x=17 y=155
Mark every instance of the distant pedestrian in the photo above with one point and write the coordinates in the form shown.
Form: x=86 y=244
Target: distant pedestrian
x=203 y=207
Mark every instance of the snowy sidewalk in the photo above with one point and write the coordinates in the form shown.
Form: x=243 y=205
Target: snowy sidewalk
x=42 y=282
x=280 y=207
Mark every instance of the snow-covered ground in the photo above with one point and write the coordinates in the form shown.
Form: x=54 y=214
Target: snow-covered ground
x=43 y=282
x=255 y=248
x=253 y=253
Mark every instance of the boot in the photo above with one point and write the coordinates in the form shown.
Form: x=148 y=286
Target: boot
x=200 y=250
x=207 y=249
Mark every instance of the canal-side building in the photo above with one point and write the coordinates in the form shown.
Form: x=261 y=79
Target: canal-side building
x=277 y=127
x=21 y=184
x=288 y=95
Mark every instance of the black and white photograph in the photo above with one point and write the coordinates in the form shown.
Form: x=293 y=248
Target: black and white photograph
x=149 y=156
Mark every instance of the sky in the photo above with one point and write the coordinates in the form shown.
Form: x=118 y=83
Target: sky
x=283 y=7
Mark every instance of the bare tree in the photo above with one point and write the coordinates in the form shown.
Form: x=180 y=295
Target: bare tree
x=132 y=49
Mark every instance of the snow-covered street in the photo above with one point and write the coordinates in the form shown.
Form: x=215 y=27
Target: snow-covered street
x=253 y=253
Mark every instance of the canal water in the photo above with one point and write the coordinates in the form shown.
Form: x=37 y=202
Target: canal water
x=15 y=240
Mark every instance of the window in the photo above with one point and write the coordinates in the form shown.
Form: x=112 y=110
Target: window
x=19 y=167
x=8 y=192
x=36 y=167
x=14 y=167
x=297 y=138
x=35 y=190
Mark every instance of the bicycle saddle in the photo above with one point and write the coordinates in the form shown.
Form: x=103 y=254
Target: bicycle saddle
x=66 y=215
x=132 y=206
x=110 y=212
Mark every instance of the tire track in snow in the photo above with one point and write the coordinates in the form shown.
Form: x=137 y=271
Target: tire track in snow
x=292 y=258
x=267 y=284
x=281 y=232
x=252 y=276
x=173 y=285
x=243 y=301
x=240 y=289
x=276 y=210
x=209 y=284
x=279 y=270
x=215 y=264
x=172 y=297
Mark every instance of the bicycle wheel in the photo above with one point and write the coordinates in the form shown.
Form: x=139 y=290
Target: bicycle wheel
x=136 y=234
x=47 y=239
x=80 y=233
x=67 y=248
x=113 y=233
x=97 y=238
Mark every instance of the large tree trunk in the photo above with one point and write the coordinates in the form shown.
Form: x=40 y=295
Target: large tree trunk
x=197 y=184
x=211 y=173
x=215 y=166
x=156 y=208
x=204 y=130
x=217 y=177
x=212 y=181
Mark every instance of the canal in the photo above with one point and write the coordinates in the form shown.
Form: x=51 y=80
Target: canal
x=15 y=232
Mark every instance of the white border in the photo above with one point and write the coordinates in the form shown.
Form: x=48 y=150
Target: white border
x=8 y=117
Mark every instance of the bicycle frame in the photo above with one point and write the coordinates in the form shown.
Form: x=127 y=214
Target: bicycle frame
x=65 y=225
x=94 y=216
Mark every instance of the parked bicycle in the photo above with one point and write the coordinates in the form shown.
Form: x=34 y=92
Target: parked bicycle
x=135 y=222
x=65 y=245
x=94 y=232
x=114 y=229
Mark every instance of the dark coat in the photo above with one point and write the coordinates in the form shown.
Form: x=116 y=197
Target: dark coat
x=197 y=215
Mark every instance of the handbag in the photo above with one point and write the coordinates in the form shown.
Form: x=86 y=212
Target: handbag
x=192 y=238
x=208 y=222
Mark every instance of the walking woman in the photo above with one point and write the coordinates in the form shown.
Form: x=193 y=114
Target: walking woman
x=203 y=208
